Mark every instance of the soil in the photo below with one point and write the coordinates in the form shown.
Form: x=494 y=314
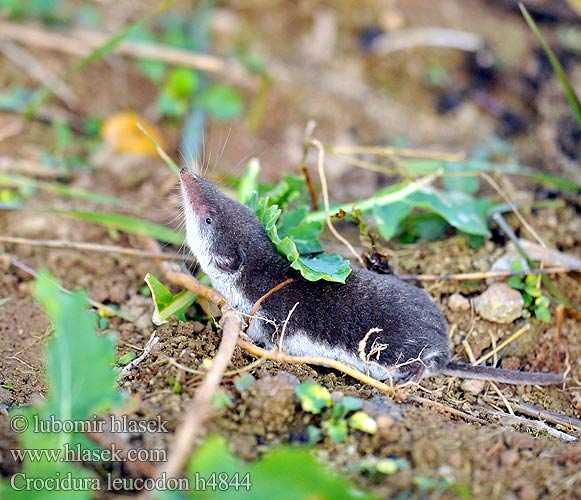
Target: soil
x=356 y=98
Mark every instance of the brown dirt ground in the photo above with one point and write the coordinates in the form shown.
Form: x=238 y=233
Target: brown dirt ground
x=498 y=460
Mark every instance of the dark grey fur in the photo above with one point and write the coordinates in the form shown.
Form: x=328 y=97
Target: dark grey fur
x=331 y=318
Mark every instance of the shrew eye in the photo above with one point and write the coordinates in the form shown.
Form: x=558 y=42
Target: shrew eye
x=208 y=220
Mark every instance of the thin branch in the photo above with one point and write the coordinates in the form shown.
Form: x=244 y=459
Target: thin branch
x=427 y=37
x=537 y=425
x=320 y=165
x=94 y=247
x=200 y=408
x=81 y=43
x=549 y=416
x=154 y=339
x=503 y=344
x=393 y=151
x=486 y=274
x=37 y=71
x=264 y=297
x=303 y=165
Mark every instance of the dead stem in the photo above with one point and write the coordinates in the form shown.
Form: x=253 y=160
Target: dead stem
x=486 y=274
x=256 y=306
x=154 y=339
x=37 y=71
x=81 y=43
x=200 y=408
x=94 y=247
x=320 y=166
x=503 y=344
x=303 y=165
x=393 y=151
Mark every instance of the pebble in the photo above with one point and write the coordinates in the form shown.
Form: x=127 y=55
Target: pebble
x=473 y=386
x=499 y=304
x=457 y=302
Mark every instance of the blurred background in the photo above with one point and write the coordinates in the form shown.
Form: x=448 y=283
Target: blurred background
x=455 y=75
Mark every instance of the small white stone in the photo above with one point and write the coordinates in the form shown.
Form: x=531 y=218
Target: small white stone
x=458 y=302
x=473 y=386
x=499 y=303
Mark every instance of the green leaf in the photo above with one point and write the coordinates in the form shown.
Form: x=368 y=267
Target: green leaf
x=468 y=184
x=78 y=360
x=389 y=217
x=291 y=189
x=517 y=265
x=314 y=434
x=126 y=223
x=167 y=304
x=284 y=473
x=533 y=291
x=221 y=101
x=384 y=197
x=249 y=181
x=313 y=397
x=390 y=466
x=3 y=301
x=543 y=314
x=570 y=93
x=182 y=83
x=516 y=282
x=221 y=400
x=178 y=91
x=336 y=429
x=323 y=266
x=362 y=422
x=244 y=381
x=127 y=358
x=459 y=209
x=426 y=227
x=425 y=167
x=351 y=404
x=154 y=70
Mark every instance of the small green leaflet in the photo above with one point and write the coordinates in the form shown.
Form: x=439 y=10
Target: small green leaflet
x=249 y=181
x=221 y=101
x=313 y=268
x=313 y=397
x=3 y=301
x=166 y=304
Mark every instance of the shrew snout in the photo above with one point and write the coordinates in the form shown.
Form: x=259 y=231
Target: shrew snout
x=193 y=191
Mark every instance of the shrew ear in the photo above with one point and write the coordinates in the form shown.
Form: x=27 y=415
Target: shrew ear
x=231 y=263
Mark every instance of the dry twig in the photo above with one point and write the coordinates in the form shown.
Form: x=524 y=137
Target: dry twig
x=81 y=43
x=94 y=247
x=154 y=339
x=320 y=166
x=486 y=274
